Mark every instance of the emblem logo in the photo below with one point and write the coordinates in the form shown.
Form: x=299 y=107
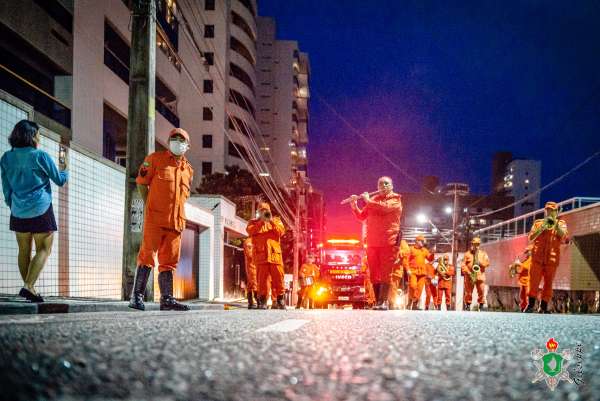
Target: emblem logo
x=551 y=365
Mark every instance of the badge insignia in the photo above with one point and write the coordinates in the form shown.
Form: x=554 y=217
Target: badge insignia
x=551 y=366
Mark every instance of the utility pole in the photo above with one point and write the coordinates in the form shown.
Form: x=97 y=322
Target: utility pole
x=296 y=241
x=456 y=189
x=140 y=132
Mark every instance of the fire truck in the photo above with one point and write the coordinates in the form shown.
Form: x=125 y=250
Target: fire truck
x=343 y=274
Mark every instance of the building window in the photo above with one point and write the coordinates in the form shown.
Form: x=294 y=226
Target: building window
x=209 y=5
x=207 y=114
x=210 y=58
x=206 y=168
x=207 y=141
x=209 y=31
x=208 y=86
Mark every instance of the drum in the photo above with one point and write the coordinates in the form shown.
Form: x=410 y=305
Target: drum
x=307 y=281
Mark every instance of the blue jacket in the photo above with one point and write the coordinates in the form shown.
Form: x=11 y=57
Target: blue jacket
x=26 y=174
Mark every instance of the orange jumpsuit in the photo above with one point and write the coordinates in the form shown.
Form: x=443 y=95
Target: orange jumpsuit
x=444 y=287
x=545 y=256
x=370 y=293
x=417 y=260
x=430 y=288
x=523 y=274
x=466 y=267
x=399 y=268
x=251 y=284
x=169 y=180
x=267 y=255
x=382 y=213
x=308 y=270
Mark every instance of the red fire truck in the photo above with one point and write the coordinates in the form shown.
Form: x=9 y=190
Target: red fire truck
x=342 y=274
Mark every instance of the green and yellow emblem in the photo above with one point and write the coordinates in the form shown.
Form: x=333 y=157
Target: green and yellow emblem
x=551 y=365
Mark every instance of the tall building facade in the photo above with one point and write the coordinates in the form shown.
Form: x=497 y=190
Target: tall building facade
x=205 y=77
x=521 y=179
x=283 y=73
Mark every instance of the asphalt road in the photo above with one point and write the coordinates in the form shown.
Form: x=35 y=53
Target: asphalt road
x=292 y=355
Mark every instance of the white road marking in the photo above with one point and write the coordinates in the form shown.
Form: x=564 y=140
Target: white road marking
x=285 y=326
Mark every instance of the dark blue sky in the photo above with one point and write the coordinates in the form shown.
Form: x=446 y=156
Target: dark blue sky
x=441 y=86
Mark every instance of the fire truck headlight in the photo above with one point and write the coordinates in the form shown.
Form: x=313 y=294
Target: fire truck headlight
x=362 y=290
x=321 y=291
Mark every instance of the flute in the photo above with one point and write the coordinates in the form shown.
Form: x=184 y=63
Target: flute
x=348 y=200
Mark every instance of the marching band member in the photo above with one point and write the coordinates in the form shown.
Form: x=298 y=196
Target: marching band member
x=417 y=271
x=473 y=269
x=521 y=268
x=382 y=213
x=546 y=236
x=398 y=274
x=266 y=232
x=445 y=272
x=251 y=285
x=309 y=274
x=430 y=286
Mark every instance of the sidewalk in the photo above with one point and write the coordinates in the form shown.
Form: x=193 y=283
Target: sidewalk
x=18 y=306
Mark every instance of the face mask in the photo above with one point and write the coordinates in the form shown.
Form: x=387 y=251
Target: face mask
x=178 y=148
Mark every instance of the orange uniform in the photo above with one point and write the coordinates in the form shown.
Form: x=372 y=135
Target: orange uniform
x=466 y=269
x=444 y=286
x=382 y=213
x=545 y=255
x=523 y=276
x=398 y=273
x=417 y=261
x=169 y=180
x=251 y=283
x=267 y=255
x=307 y=270
x=430 y=287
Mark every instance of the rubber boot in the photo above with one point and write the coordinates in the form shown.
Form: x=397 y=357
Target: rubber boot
x=139 y=288
x=280 y=303
x=544 y=307
x=251 y=304
x=261 y=302
x=481 y=306
x=167 y=302
x=530 y=305
x=384 y=294
x=299 y=303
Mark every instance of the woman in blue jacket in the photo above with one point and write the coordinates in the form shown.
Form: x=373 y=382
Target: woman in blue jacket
x=26 y=173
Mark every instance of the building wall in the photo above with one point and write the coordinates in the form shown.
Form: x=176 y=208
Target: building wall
x=522 y=178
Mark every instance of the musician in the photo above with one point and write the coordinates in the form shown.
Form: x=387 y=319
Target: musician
x=308 y=274
x=430 y=286
x=523 y=270
x=473 y=269
x=250 y=266
x=398 y=274
x=546 y=236
x=382 y=214
x=444 y=272
x=266 y=232
x=418 y=258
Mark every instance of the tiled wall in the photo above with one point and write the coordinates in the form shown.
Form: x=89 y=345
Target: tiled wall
x=10 y=279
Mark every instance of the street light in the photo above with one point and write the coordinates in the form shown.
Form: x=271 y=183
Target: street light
x=422 y=219
x=448 y=210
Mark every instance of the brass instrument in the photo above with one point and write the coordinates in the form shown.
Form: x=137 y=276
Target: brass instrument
x=476 y=268
x=513 y=268
x=442 y=270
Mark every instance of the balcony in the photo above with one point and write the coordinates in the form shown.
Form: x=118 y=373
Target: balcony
x=239 y=21
x=242 y=76
x=243 y=44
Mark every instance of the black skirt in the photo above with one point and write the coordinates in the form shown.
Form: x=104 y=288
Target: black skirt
x=41 y=224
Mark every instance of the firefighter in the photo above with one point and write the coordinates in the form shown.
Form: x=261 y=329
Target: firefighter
x=430 y=286
x=164 y=182
x=266 y=232
x=382 y=214
x=309 y=274
x=523 y=270
x=445 y=272
x=417 y=271
x=251 y=285
x=370 y=293
x=474 y=279
x=546 y=236
x=398 y=274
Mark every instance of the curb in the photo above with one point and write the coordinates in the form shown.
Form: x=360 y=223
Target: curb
x=26 y=308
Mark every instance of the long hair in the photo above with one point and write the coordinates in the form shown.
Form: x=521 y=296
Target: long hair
x=23 y=134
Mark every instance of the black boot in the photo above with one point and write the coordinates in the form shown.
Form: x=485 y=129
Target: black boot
x=544 y=307
x=481 y=307
x=251 y=304
x=384 y=293
x=167 y=302
x=280 y=303
x=530 y=305
x=261 y=302
x=139 y=288
x=299 y=303
x=467 y=307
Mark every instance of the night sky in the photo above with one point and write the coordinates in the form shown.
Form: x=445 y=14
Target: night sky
x=441 y=86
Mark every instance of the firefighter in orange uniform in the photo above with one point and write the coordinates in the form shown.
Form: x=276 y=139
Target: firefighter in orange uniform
x=398 y=274
x=251 y=285
x=266 y=232
x=417 y=270
x=164 y=182
x=473 y=278
x=445 y=271
x=370 y=293
x=546 y=236
x=430 y=286
x=382 y=213
x=308 y=274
